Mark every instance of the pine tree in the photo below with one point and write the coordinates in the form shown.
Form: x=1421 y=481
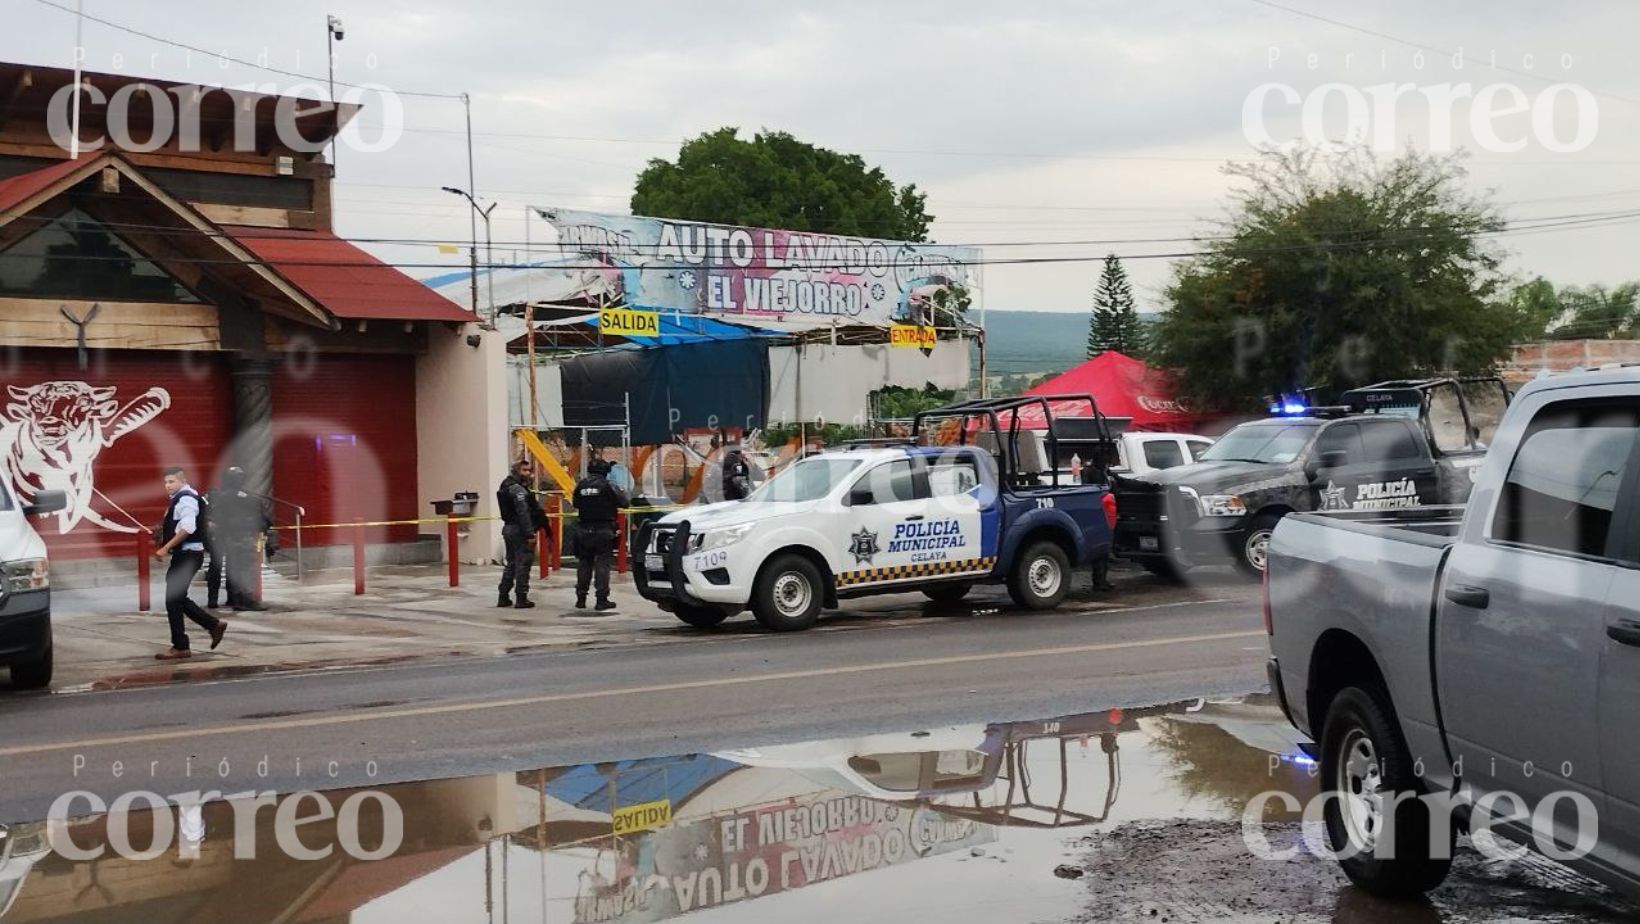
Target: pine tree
x=1114 y=324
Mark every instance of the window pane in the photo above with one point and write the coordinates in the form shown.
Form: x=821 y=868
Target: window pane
x=1163 y=454
x=890 y=483
x=1343 y=437
x=1563 y=483
x=75 y=256
x=1386 y=442
x=948 y=479
x=1197 y=447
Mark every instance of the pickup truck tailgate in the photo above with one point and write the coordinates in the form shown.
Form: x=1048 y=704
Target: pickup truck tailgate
x=1357 y=582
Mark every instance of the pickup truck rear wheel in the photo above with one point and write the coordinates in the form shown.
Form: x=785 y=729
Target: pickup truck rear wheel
x=947 y=593
x=788 y=594
x=701 y=617
x=1041 y=576
x=34 y=675
x=1370 y=788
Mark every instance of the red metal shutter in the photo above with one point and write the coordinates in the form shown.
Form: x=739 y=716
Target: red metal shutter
x=105 y=433
x=345 y=442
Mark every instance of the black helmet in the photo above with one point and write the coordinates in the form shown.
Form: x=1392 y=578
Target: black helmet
x=600 y=467
x=234 y=478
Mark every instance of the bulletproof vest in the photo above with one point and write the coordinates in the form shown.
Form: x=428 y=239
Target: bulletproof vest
x=595 y=500
x=504 y=502
x=168 y=529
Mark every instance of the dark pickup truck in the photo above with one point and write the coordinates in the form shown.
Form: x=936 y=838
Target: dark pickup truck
x=1387 y=446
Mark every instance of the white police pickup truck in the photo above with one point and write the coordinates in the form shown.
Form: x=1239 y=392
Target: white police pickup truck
x=989 y=508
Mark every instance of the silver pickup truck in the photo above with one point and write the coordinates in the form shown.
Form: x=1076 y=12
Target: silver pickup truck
x=1488 y=664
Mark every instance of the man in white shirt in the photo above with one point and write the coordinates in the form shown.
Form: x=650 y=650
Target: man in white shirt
x=182 y=540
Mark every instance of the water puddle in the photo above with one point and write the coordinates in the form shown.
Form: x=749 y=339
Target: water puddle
x=1117 y=814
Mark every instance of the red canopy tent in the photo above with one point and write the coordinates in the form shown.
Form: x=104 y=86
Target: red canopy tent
x=1123 y=387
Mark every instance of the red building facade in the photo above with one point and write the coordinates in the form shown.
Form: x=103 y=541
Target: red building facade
x=194 y=308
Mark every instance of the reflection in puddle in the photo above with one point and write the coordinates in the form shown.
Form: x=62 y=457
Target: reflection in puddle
x=966 y=823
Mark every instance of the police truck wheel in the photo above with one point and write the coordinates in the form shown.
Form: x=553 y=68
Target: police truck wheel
x=1041 y=576
x=701 y=617
x=947 y=593
x=788 y=594
x=35 y=675
x=1254 y=554
x=1365 y=767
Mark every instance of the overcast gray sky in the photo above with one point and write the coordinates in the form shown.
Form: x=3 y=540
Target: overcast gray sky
x=1024 y=122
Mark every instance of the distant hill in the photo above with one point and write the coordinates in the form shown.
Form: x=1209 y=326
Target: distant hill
x=1019 y=342
x=1027 y=344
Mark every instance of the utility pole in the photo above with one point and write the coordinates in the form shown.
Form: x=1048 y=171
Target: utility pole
x=333 y=34
x=79 y=57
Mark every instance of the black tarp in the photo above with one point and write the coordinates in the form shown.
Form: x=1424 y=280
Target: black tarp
x=712 y=384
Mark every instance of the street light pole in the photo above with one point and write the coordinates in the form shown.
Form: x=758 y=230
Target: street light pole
x=489 y=251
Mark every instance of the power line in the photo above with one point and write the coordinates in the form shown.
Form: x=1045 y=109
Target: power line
x=167 y=231
x=224 y=57
x=1312 y=247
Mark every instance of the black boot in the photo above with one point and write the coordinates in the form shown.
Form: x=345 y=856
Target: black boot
x=605 y=605
x=581 y=602
x=524 y=603
x=503 y=600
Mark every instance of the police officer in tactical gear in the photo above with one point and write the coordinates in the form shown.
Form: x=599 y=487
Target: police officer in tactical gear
x=737 y=474
x=597 y=503
x=521 y=518
x=185 y=516
x=237 y=518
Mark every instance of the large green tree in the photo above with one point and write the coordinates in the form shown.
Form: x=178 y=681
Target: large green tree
x=1335 y=270
x=1115 y=323
x=777 y=181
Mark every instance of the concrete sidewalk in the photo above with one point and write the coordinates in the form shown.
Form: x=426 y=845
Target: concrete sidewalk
x=409 y=611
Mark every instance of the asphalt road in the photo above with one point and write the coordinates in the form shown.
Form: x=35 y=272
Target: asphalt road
x=700 y=693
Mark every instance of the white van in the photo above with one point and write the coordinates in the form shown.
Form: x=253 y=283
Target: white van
x=25 y=589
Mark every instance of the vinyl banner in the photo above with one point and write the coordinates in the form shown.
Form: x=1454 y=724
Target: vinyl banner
x=763 y=274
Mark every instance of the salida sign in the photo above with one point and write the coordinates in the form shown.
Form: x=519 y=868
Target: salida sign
x=762 y=272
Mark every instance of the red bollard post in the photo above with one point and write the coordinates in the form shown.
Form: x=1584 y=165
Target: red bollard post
x=450 y=541
x=358 y=558
x=620 y=542
x=145 y=555
x=543 y=551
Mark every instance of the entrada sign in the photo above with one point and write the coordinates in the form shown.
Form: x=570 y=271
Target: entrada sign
x=911 y=335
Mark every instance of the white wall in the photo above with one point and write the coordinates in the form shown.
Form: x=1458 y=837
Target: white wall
x=837 y=379
x=461 y=428
x=549 y=393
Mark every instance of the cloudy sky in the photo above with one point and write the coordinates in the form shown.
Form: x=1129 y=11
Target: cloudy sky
x=1098 y=123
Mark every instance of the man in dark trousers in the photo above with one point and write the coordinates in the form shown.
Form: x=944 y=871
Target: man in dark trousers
x=180 y=539
x=521 y=517
x=237 y=518
x=597 y=504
